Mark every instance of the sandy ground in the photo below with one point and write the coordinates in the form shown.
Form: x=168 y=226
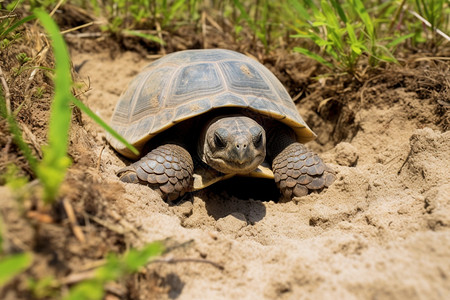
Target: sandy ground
x=380 y=232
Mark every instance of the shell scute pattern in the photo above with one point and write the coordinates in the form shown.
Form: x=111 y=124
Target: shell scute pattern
x=194 y=81
x=269 y=108
x=192 y=108
x=162 y=118
x=228 y=99
x=240 y=82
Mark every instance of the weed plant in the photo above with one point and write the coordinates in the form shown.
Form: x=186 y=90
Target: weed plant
x=13 y=264
x=144 y=17
x=115 y=268
x=344 y=33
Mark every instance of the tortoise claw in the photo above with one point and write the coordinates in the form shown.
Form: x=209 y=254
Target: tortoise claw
x=128 y=174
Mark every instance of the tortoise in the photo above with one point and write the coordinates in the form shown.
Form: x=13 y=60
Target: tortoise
x=201 y=116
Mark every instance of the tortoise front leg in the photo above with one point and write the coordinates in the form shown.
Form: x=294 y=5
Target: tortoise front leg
x=297 y=170
x=167 y=169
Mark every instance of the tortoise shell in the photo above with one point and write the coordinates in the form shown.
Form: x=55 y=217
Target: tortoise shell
x=186 y=84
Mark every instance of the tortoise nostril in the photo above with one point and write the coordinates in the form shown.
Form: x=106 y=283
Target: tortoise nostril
x=241 y=146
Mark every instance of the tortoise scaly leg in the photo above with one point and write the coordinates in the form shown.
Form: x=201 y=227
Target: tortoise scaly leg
x=297 y=170
x=167 y=169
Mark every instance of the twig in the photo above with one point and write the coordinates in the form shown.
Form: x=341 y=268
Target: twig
x=85 y=35
x=40 y=217
x=99 y=160
x=8 y=16
x=77 y=277
x=404 y=163
x=425 y=21
x=158 y=28
x=432 y=58
x=56 y=7
x=124 y=227
x=88 y=89
x=7 y=93
x=107 y=225
x=364 y=88
x=213 y=23
x=84 y=275
x=30 y=79
x=181 y=260
x=203 y=20
x=73 y=221
x=6 y=148
x=80 y=27
x=32 y=139
x=298 y=96
x=154 y=56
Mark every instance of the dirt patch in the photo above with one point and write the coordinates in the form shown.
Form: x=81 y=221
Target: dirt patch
x=381 y=230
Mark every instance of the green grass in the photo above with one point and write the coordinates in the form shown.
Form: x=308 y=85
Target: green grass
x=344 y=33
x=433 y=11
x=12 y=265
x=51 y=170
x=138 y=17
x=53 y=167
x=436 y=15
x=116 y=267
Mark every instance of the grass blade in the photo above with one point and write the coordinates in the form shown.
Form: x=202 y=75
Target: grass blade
x=16 y=24
x=12 y=265
x=399 y=40
x=115 y=268
x=55 y=161
x=149 y=37
x=364 y=15
x=301 y=10
x=314 y=56
x=330 y=16
x=339 y=10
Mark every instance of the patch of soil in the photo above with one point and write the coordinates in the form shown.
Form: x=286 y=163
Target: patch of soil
x=381 y=230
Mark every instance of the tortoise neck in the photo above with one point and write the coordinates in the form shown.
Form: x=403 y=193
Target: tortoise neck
x=279 y=136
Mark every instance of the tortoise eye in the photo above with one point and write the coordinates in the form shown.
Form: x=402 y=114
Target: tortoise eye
x=219 y=141
x=257 y=140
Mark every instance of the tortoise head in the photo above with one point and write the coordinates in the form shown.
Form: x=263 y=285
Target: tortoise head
x=233 y=144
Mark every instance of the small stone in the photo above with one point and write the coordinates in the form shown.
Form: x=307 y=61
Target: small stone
x=346 y=154
x=232 y=223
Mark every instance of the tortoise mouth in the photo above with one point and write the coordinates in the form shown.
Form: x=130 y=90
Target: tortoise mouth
x=228 y=166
